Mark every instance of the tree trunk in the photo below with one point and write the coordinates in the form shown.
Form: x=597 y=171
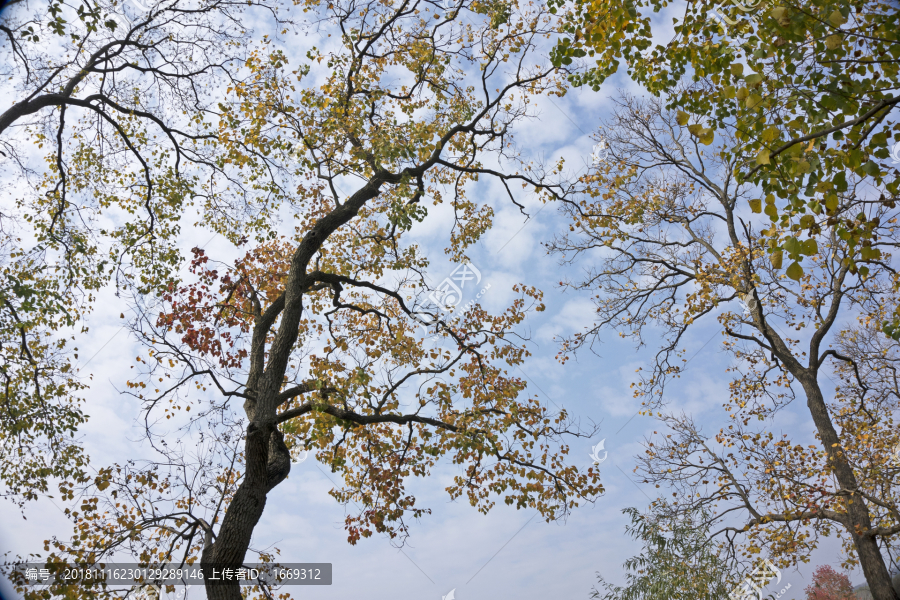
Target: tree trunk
x=870 y=558
x=241 y=516
x=268 y=459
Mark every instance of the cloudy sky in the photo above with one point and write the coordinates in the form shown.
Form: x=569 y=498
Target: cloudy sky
x=508 y=553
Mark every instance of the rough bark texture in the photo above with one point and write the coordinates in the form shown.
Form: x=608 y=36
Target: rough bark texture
x=267 y=457
x=241 y=517
x=870 y=558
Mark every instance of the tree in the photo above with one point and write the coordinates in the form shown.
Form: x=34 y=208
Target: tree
x=808 y=88
x=662 y=219
x=316 y=333
x=829 y=584
x=677 y=561
x=117 y=98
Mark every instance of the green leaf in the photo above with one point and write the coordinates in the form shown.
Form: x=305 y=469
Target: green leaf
x=870 y=168
x=795 y=271
x=833 y=41
x=754 y=78
x=869 y=253
x=840 y=182
x=837 y=19
x=792 y=246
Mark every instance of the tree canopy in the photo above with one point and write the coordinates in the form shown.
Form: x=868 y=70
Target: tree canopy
x=809 y=90
x=755 y=185
x=670 y=246
x=677 y=561
x=316 y=332
x=108 y=141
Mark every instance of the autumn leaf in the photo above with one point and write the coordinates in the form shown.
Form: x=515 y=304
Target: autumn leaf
x=794 y=271
x=776 y=259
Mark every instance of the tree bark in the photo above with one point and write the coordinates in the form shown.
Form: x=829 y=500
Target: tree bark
x=241 y=516
x=870 y=558
x=268 y=461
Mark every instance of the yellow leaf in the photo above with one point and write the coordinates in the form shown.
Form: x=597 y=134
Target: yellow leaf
x=770 y=134
x=704 y=134
x=776 y=259
x=755 y=205
x=763 y=157
x=682 y=118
